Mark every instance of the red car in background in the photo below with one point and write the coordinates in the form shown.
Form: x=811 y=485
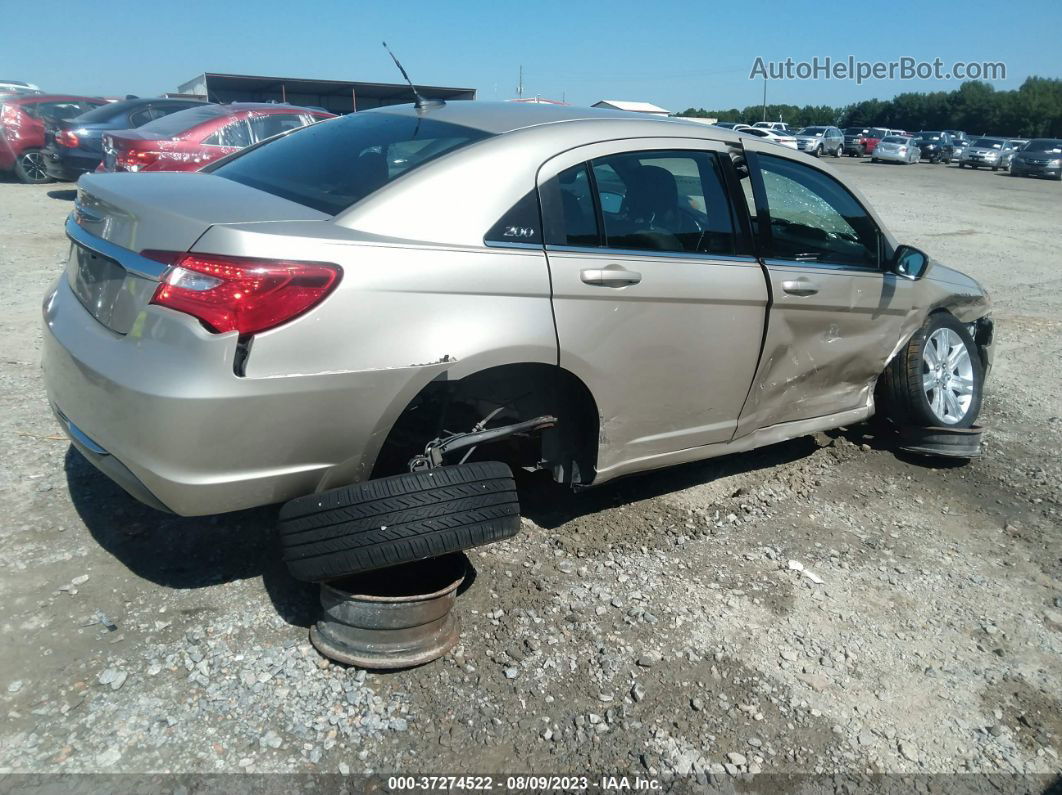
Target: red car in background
x=189 y=139
x=22 y=122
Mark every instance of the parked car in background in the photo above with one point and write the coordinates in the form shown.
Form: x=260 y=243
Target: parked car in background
x=22 y=123
x=1041 y=157
x=982 y=152
x=935 y=146
x=1014 y=145
x=308 y=317
x=854 y=141
x=12 y=88
x=774 y=136
x=75 y=146
x=896 y=149
x=732 y=125
x=820 y=141
x=958 y=137
x=777 y=126
x=872 y=138
x=189 y=139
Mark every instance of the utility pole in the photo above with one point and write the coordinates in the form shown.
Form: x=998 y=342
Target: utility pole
x=520 y=83
x=765 y=98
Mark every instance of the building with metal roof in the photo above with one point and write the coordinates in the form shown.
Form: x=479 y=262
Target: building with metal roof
x=632 y=107
x=335 y=96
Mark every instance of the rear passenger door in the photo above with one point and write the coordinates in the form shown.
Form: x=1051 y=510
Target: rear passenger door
x=659 y=305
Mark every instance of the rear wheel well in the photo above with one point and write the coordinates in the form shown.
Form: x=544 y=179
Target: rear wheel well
x=523 y=392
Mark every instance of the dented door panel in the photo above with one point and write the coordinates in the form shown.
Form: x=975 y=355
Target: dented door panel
x=830 y=333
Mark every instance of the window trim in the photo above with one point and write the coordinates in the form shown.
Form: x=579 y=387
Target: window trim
x=763 y=214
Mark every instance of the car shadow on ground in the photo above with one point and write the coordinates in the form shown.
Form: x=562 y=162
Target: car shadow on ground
x=187 y=553
x=550 y=505
x=65 y=194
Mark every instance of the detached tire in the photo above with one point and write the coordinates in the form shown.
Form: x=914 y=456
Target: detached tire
x=400 y=519
x=937 y=378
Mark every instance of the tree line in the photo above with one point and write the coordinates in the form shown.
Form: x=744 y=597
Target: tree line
x=1032 y=111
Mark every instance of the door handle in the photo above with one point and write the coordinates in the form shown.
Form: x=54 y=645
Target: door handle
x=800 y=287
x=611 y=276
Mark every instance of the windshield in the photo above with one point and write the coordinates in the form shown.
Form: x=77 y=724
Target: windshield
x=332 y=165
x=878 y=132
x=988 y=143
x=893 y=139
x=928 y=136
x=855 y=131
x=1051 y=146
x=812 y=131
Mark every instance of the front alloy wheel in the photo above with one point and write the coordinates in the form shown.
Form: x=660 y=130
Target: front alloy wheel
x=936 y=379
x=29 y=167
x=947 y=376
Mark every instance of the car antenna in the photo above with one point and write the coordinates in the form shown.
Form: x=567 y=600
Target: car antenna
x=420 y=103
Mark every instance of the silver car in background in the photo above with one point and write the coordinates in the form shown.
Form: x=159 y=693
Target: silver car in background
x=1014 y=145
x=983 y=151
x=312 y=311
x=821 y=141
x=896 y=149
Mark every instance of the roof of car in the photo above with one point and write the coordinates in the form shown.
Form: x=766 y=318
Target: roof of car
x=34 y=98
x=503 y=117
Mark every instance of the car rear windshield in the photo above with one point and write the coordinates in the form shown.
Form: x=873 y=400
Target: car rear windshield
x=893 y=139
x=988 y=143
x=929 y=136
x=184 y=120
x=1050 y=145
x=331 y=165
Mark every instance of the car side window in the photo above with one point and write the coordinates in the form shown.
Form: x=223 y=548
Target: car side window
x=232 y=134
x=263 y=127
x=814 y=218
x=651 y=201
x=569 y=214
x=664 y=201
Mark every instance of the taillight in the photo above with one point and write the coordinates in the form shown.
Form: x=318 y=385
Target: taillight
x=10 y=119
x=68 y=139
x=134 y=159
x=239 y=293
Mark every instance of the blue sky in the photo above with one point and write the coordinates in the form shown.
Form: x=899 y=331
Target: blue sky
x=675 y=54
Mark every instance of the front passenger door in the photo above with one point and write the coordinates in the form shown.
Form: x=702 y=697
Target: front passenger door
x=836 y=312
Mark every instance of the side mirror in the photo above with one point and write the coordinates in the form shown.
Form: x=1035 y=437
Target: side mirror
x=909 y=262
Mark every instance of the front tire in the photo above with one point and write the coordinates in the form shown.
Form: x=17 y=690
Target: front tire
x=29 y=168
x=937 y=378
x=818 y=151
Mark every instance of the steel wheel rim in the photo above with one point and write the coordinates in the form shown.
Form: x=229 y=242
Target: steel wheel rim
x=947 y=376
x=33 y=165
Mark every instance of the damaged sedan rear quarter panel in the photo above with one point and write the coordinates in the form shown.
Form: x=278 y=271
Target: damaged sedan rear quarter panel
x=697 y=354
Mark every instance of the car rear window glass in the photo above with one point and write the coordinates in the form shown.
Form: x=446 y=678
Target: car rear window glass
x=893 y=139
x=183 y=120
x=331 y=165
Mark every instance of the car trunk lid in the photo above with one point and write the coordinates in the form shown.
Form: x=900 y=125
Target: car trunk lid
x=118 y=216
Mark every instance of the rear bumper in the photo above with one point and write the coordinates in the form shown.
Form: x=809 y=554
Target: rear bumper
x=68 y=168
x=161 y=412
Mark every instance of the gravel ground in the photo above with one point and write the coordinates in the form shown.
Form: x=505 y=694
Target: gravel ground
x=659 y=624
